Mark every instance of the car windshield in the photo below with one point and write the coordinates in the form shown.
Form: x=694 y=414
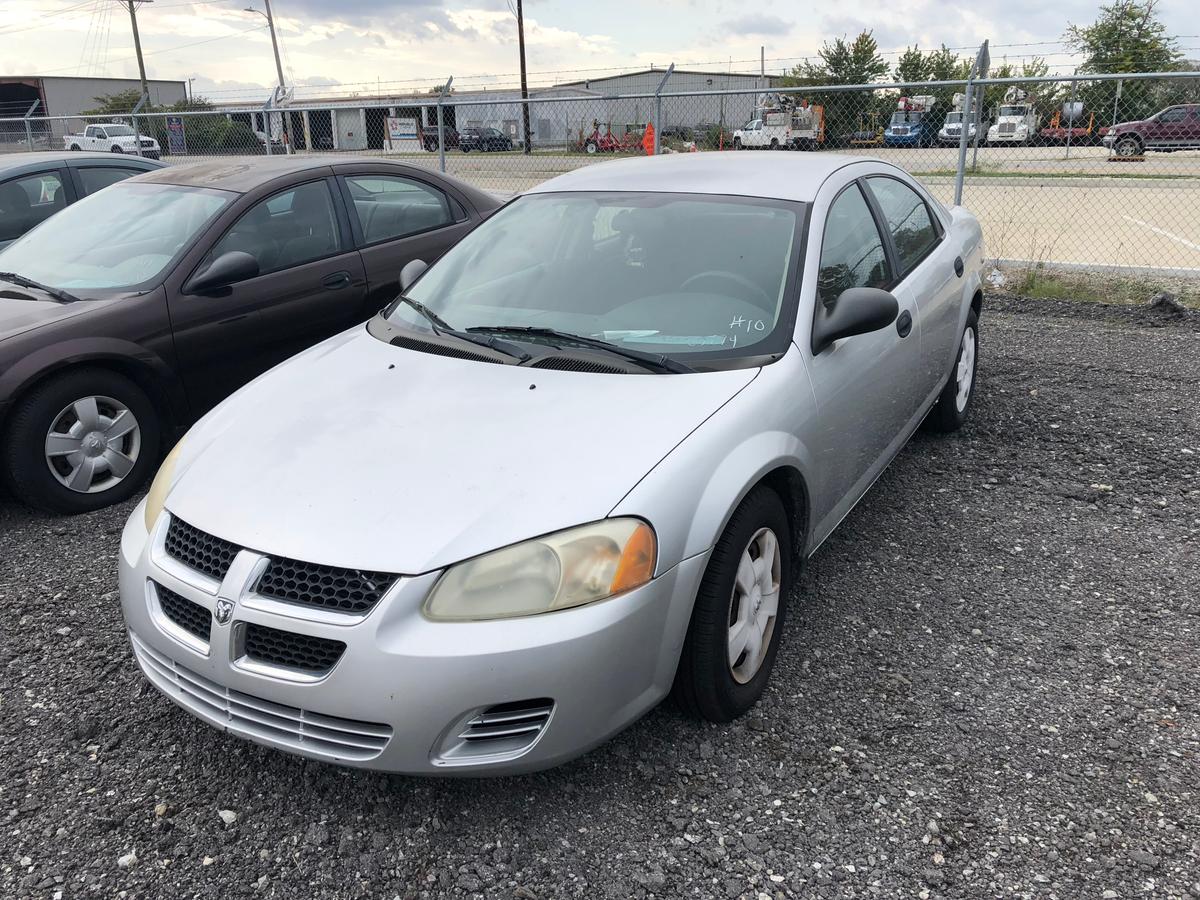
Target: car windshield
x=118 y=131
x=671 y=274
x=905 y=118
x=1012 y=110
x=953 y=118
x=116 y=239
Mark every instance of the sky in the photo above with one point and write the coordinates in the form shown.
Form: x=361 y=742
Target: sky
x=370 y=46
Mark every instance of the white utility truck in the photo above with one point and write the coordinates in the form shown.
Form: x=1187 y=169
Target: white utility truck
x=1017 y=119
x=779 y=124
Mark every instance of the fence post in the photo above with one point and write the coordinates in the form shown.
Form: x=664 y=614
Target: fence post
x=978 y=70
x=1071 y=115
x=267 y=121
x=28 y=127
x=441 y=124
x=658 y=106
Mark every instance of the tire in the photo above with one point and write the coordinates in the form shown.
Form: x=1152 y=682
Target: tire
x=591 y=147
x=707 y=685
x=1128 y=146
x=51 y=406
x=116 y=149
x=774 y=143
x=737 y=143
x=951 y=410
x=75 y=148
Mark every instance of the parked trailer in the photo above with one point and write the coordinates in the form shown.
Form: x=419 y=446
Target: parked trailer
x=1071 y=124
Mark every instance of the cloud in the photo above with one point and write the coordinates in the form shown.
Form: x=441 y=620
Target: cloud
x=757 y=23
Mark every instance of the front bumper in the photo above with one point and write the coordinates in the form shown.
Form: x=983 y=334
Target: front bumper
x=1109 y=139
x=902 y=140
x=403 y=690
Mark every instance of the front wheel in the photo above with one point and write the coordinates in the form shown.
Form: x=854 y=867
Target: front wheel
x=80 y=441
x=591 y=147
x=954 y=403
x=737 y=143
x=76 y=148
x=116 y=149
x=738 y=618
x=1128 y=146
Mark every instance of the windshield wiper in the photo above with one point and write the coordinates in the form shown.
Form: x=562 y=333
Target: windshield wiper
x=440 y=327
x=651 y=360
x=21 y=281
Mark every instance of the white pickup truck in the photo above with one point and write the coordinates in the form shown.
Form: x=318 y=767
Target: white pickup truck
x=112 y=136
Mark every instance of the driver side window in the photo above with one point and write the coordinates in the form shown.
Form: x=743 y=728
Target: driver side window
x=852 y=253
x=289 y=229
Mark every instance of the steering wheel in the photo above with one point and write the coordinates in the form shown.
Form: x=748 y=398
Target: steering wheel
x=740 y=280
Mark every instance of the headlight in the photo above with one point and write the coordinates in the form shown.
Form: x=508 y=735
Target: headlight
x=569 y=568
x=162 y=483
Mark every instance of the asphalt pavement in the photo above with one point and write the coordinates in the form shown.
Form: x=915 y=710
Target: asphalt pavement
x=989 y=688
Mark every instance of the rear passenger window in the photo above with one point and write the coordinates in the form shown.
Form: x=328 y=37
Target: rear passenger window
x=96 y=178
x=907 y=218
x=27 y=201
x=852 y=250
x=389 y=207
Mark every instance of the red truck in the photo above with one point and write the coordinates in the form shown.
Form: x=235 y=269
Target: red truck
x=1175 y=128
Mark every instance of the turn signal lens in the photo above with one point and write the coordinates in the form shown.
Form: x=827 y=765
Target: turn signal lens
x=562 y=570
x=161 y=486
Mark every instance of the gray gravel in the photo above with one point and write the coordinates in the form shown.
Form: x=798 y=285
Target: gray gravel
x=989 y=688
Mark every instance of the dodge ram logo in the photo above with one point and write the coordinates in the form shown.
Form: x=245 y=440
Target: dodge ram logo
x=223 y=611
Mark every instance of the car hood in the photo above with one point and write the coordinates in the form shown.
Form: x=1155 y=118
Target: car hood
x=22 y=309
x=361 y=454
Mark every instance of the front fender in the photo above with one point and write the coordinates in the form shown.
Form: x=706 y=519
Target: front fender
x=690 y=495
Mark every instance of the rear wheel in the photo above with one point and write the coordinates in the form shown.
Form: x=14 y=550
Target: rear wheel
x=80 y=441
x=591 y=147
x=116 y=149
x=738 y=618
x=954 y=403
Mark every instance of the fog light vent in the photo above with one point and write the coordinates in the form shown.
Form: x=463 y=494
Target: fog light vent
x=497 y=733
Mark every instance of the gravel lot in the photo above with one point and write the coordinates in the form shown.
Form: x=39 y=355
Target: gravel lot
x=989 y=688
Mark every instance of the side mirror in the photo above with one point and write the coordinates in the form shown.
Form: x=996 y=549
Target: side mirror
x=226 y=269
x=411 y=272
x=857 y=310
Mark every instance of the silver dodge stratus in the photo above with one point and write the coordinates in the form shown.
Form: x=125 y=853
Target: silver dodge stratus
x=571 y=470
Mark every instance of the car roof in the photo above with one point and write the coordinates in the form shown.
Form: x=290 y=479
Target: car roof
x=18 y=163
x=776 y=175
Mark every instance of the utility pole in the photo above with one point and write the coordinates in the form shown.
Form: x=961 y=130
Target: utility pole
x=524 y=83
x=283 y=116
x=137 y=47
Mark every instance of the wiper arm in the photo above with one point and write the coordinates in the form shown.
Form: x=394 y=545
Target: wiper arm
x=652 y=360
x=440 y=327
x=21 y=281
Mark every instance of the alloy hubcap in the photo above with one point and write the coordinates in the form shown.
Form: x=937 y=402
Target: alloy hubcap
x=754 y=605
x=93 y=444
x=965 y=375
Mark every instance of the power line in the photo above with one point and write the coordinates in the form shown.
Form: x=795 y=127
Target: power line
x=223 y=37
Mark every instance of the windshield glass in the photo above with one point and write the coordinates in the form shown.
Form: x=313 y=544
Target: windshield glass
x=953 y=118
x=905 y=118
x=1012 y=110
x=118 y=238
x=673 y=274
x=118 y=130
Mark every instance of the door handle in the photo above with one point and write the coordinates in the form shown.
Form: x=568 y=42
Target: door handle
x=336 y=280
x=904 y=324
x=958 y=266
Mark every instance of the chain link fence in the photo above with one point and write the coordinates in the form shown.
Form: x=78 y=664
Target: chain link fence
x=1098 y=173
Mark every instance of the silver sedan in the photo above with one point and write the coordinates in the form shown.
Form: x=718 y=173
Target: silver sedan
x=571 y=470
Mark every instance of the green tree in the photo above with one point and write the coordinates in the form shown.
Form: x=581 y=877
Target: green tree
x=913 y=65
x=120 y=103
x=839 y=62
x=1127 y=36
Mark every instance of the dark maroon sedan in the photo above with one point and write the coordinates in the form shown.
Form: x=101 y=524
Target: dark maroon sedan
x=133 y=311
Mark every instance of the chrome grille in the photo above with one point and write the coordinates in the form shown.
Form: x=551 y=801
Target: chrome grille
x=296 y=651
x=1008 y=127
x=199 y=550
x=191 y=617
x=325 y=587
x=282 y=726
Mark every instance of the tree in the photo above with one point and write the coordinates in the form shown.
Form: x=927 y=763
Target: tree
x=839 y=62
x=120 y=103
x=913 y=65
x=1126 y=37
